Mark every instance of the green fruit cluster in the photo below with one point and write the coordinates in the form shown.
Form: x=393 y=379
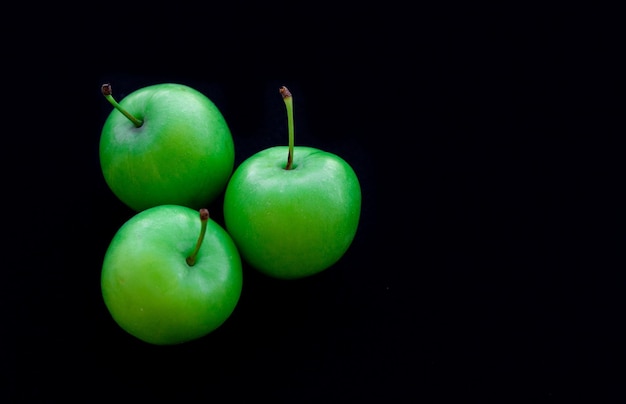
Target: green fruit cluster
x=171 y=273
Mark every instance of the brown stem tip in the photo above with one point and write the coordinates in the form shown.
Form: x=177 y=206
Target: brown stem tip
x=285 y=92
x=204 y=214
x=106 y=89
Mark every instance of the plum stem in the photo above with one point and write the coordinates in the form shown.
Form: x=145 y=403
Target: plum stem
x=108 y=94
x=288 y=99
x=204 y=218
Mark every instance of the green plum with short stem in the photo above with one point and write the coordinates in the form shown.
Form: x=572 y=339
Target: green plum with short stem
x=171 y=274
x=165 y=143
x=293 y=211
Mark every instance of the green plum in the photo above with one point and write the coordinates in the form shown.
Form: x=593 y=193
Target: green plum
x=295 y=218
x=170 y=276
x=165 y=144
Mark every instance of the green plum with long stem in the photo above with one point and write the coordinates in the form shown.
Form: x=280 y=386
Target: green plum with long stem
x=165 y=143
x=293 y=211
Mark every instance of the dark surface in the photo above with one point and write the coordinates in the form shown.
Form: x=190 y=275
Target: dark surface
x=483 y=268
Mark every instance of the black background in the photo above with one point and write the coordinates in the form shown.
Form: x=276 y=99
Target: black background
x=483 y=268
